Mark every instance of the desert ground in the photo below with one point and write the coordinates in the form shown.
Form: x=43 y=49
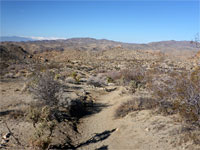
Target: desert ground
x=115 y=99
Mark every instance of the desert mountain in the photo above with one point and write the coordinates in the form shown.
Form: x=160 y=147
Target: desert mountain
x=102 y=44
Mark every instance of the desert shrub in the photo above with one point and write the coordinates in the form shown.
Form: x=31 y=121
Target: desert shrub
x=132 y=75
x=37 y=114
x=44 y=67
x=40 y=143
x=45 y=88
x=75 y=76
x=179 y=92
x=190 y=134
x=17 y=114
x=134 y=78
x=110 y=80
x=54 y=65
x=33 y=114
x=48 y=93
x=48 y=111
x=136 y=74
x=97 y=81
x=114 y=75
x=134 y=105
x=44 y=122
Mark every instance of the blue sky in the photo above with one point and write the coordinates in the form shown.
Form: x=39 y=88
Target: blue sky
x=126 y=21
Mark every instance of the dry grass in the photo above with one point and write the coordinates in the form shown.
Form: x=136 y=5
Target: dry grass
x=40 y=143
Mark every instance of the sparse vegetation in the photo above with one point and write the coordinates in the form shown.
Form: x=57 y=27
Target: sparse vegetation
x=128 y=75
x=135 y=105
x=64 y=94
x=97 y=81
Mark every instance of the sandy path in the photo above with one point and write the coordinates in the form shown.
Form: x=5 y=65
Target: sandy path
x=137 y=131
x=130 y=132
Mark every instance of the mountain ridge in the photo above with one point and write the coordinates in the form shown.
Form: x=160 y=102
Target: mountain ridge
x=101 y=44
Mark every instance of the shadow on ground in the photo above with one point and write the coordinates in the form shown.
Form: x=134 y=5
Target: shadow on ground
x=104 y=147
x=86 y=109
x=98 y=137
x=95 y=108
x=7 y=112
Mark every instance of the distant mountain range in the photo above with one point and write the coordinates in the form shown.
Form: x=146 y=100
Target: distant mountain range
x=24 y=39
x=14 y=39
x=40 y=45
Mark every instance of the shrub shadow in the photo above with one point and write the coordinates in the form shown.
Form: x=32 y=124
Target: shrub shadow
x=98 y=137
x=104 y=147
x=7 y=112
x=94 y=108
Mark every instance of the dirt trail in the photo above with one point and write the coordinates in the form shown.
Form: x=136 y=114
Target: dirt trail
x=139 y=130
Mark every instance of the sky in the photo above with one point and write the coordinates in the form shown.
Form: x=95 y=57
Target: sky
x=126 y=21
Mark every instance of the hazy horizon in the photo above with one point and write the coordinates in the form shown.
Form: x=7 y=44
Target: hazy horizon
x=57 y=38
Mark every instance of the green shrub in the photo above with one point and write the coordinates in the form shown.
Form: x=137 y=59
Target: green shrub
x=75 y=76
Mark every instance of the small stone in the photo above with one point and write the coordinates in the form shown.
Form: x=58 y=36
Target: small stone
x=17 y=90
x=4 y=141
x=111 y=84
x=70 y=80
x=147 y=129
x=7 y=135
x=110 y=89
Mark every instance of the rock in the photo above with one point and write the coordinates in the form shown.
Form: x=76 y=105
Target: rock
x=4 y=141
x=97 y=81
x=25 y=87
x=9 y=75
x=7 y=135
x=110 y=89
x=17 y=75
x=83 y=80
x=82 y=92
x=17 y=90
x=111 y=84
x=70 y=80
